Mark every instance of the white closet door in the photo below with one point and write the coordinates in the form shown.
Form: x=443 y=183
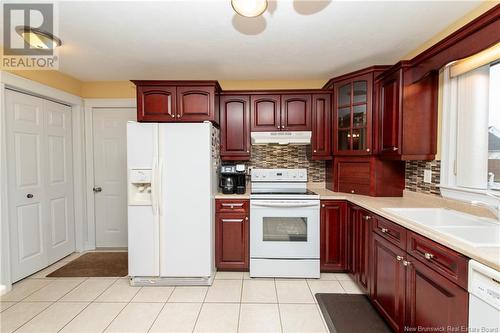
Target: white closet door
x=110 y=175
x=25 y=142
x=40 y=182
x=59 y=181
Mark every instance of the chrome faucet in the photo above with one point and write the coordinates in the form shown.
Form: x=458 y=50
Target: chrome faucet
x=495 y=209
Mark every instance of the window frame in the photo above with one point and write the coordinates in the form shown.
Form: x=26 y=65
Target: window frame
x=449 y=130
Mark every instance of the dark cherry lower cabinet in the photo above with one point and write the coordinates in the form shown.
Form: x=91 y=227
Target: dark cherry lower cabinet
x=235 y=127
x=232 y=235
x=432 y=300
x=389 y=280
x=361 y=230
x=333 y=233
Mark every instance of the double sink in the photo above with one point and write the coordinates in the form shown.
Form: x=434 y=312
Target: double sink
x=472 y=230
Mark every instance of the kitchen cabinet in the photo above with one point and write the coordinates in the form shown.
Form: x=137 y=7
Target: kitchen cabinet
x=407 y=113
x=388 y=281
x=232 y=235
x=281 y=112
x=353 y=111
x=321 y=140
x=296 y=112
x=432 y=300
x=333 y=236
x=177 y=101
x=235 y=127
x=367 y=175
x=156 y=103
x=415 y=282
x=361 y=247
x=265 y=113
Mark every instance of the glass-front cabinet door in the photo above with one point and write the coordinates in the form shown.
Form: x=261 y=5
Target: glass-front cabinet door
x=352 y=110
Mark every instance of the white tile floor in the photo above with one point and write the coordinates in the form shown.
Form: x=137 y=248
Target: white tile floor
x=234 y=303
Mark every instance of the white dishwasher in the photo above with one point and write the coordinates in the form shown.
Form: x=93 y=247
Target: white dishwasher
x=484 y=298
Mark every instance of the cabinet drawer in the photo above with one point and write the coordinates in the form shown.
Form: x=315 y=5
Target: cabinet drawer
x=394 y=233
x=443 y=260
x=231 y=206
x=354 y=188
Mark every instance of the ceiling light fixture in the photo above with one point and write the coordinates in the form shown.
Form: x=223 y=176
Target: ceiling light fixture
x=38 y=38
x=249 y=8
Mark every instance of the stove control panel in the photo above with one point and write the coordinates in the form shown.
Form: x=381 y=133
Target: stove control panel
x=279 y=175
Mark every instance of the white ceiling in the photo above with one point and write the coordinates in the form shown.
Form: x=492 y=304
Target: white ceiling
x=206 y=40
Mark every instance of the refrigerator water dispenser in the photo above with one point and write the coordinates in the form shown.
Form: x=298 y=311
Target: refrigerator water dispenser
x=139 y=187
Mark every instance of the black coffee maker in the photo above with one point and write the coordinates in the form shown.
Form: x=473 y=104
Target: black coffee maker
x=232 y=179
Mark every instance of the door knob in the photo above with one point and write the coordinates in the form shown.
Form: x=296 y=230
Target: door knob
x=29 y=196
x=97 y=189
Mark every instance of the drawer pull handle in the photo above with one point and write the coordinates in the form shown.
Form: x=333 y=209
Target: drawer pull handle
x=428 y=255
x=232 y=205
x=232 y=220
x=384 y=230
x=399 y=258
x=406 y=263
x=352 y=191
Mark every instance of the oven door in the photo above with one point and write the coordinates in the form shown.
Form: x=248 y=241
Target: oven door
x=284 y=229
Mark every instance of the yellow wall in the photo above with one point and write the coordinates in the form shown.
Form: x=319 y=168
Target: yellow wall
x=271 y=84
x=53 y=79
x=108 y=89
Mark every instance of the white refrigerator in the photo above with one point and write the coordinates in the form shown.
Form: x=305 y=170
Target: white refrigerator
x=172 y=182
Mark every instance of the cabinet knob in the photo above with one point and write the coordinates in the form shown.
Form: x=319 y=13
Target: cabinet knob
x=399 y=258
x=248 y=151
x=368 y=150
x=428 y=255
x=29 y=196
x=394 y=148
x=367 y=217
x=172 y=115
x=315 y=150
x=283 y=126
x=384 y=230
x=178 y=116
x=323 y=205
x=352 y=191
x=406 y=263
x=246 y=218
x=278 y=127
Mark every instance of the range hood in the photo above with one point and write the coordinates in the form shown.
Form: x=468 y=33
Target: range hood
x=281 y=138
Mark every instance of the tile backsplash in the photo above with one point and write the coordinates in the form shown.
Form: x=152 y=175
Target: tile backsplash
x=291 y=156
x=415 y=176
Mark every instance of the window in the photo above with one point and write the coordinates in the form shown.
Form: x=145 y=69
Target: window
x=470 y=161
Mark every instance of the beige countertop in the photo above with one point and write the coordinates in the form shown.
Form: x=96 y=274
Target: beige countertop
x=489 y=256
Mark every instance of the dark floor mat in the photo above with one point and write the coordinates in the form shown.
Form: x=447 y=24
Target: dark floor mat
x=95 y=264
x=350 y=314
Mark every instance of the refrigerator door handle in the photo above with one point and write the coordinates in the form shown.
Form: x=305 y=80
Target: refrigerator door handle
x=160 y=187
x=154 y=189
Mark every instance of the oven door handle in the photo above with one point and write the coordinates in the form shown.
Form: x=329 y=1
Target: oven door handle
x=284 y=204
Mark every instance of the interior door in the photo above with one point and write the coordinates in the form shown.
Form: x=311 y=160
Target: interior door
x=25 y=183
x=59 y=180
x=110 y=175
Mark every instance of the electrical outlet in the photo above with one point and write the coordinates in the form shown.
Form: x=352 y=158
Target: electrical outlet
x=427 y=176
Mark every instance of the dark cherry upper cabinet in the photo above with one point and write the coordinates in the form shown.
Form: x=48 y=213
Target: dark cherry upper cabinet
x=235 y=127
x=156 y=103
x=333 y=232
x=433 y=301
x=353 y=115
x=177 y=101
x=195 y=103
x=266 y=113
x=296 y=112
x=321 y=141
x=388 y=281
x=232 y=235
x=407 y=129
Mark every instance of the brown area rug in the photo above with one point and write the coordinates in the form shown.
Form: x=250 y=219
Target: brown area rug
x=350 y=314
x=95 y=264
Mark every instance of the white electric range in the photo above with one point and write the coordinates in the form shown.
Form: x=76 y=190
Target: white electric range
x=284 y=225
